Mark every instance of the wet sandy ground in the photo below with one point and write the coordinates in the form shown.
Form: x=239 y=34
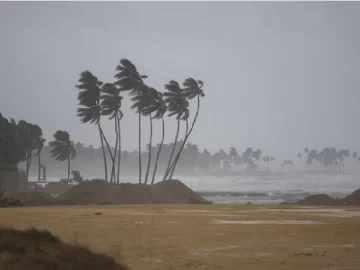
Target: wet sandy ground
x=206 y=237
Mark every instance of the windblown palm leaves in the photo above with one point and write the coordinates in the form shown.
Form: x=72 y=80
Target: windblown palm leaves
x=89 y=98
x=90 y=109
x=62 y=148
x=111 y=106
x=129 y=79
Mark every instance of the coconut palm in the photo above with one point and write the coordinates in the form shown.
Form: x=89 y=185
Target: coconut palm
x=178 y=106
x=111 y=106
x=90 y=109
x=192 y=89
x=62 y=148
x=147 y=102
x=129 y=79
x=160 y=111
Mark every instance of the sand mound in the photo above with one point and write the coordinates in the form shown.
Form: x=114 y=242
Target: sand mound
x=318 y=199
x=174 y=191
x=352 y=199
x=33 y=249
x=85 y=193
x=99 y=192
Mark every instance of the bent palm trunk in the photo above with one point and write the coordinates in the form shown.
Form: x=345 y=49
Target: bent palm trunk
x=139 y=148
x=159 y=151
x=103 y=151
x=173 y=150
x=187 y=136
x=177 y=157
x=115 y=151
x=119 y=153
x=149 y=158
x=68 y=177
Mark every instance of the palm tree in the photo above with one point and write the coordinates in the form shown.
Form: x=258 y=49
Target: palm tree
x=90 y=110
x=129 y=79
x=111 y=106
x=161 y=109
x=62 y=148
x=192 y=89
x=177 y=105
x=147 y=103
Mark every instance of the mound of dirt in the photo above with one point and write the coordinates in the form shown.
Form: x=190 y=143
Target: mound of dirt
x=33 y=249
x=318 y=199
x=174 y=191
x=352 y=199
x=92 y=192
x=33 y=198
x=99 y=192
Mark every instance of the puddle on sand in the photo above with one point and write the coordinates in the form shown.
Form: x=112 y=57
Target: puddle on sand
x=329 y=212
x=172 y=222
x=334 y=246
x=208 y=251
x=276 y=222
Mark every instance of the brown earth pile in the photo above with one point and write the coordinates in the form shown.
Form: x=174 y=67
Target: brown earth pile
x=318 y=199
x=174 y=191
x=352 y=199
x=33 y=198
x=99 y=192
x=33 y=249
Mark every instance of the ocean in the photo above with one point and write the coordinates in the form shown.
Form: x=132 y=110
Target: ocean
x=260 y=190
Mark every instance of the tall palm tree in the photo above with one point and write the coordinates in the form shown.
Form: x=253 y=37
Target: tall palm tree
x=192 y=89
x=90 y=108
x=111 y=106
x=152 y=105
x=62 y=148
x=144 y=103
x=178 y=106
x=129 y=79
x=160 y=111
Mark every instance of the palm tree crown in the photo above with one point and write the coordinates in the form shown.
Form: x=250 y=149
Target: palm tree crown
x=63 y=148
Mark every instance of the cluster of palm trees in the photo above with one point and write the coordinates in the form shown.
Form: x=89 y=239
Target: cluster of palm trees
x=328 y=159
x=21 y=141
x=248 y=158
x=98 y=99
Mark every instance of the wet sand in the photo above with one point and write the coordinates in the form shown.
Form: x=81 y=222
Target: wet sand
x=206 y=236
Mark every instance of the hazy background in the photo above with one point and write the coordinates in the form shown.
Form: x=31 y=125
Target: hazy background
x=278 y=76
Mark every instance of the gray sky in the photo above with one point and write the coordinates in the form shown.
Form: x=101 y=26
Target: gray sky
x=278 y=76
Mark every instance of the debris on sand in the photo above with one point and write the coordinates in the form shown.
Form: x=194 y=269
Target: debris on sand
x=34 y=249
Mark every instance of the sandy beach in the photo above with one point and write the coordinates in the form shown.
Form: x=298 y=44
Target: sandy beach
x=205 y=236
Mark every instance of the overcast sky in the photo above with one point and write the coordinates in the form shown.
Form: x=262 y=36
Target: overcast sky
x=277 y=76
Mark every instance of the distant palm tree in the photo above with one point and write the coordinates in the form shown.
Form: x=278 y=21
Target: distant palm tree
x=129 y=79
x=90 y=108
x=192 y=89
x=62 y=148
x=111 y=106
x=178 y=106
